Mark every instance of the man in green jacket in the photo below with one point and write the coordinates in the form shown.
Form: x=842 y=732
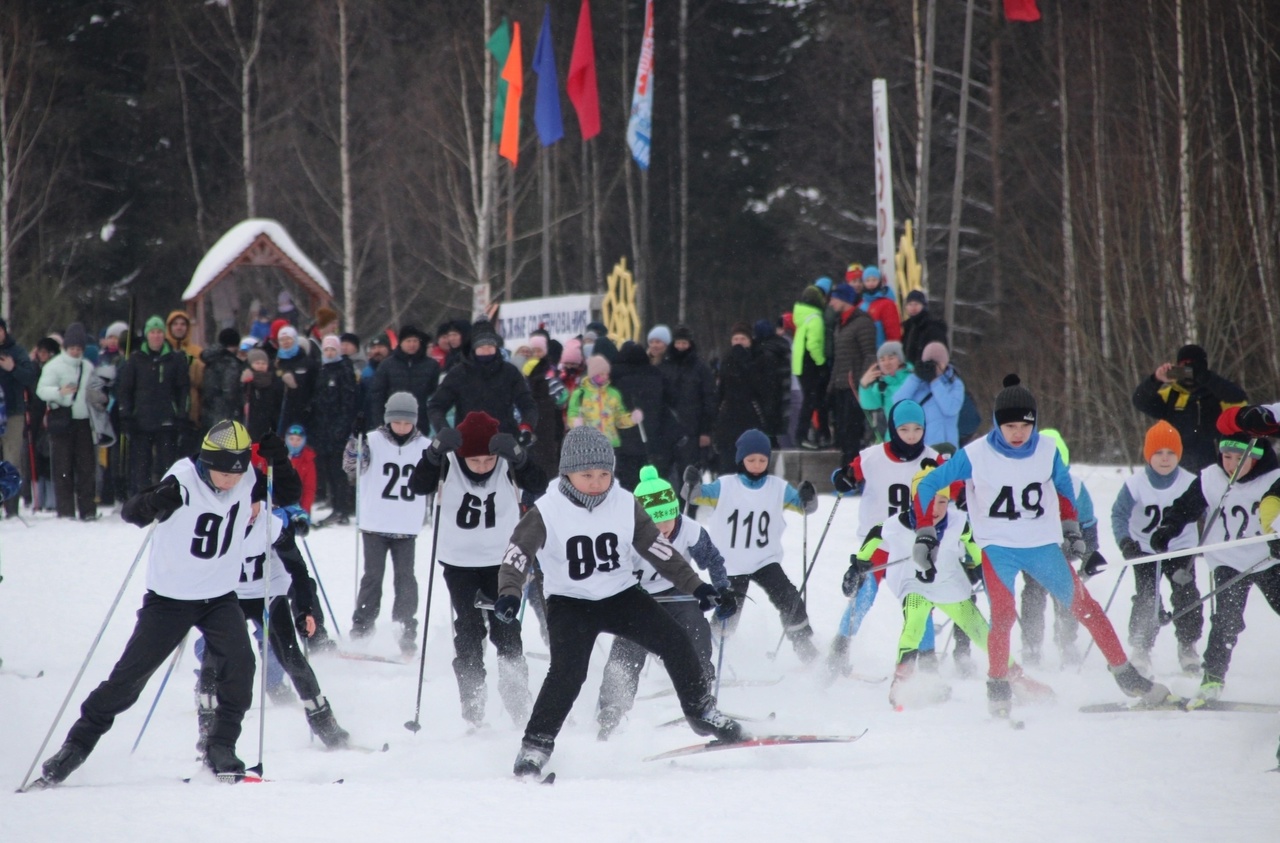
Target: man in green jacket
x=809 y=364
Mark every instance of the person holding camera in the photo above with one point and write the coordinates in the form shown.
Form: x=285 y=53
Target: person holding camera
x=936 y=386
x=1190 y=396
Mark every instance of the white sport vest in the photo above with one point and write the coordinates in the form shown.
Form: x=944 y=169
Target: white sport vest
x=197 y=553
x=888 y=489
x=1238 y=518
x=1148 y=504
x=950 y=583
x=476 y=521
x=1013 y=503
x=747 y=524
x=386 y=503
x=587 y=554
x=256 y=549
x=653 y=582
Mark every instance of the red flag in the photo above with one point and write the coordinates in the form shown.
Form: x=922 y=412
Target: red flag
x=513 y=74
x=1021 y=10
x=581 y=84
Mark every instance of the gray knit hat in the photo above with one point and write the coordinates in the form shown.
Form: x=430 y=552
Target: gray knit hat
x=1015 y=403
x=892 y=347
x=584 y=449
x=401 y=406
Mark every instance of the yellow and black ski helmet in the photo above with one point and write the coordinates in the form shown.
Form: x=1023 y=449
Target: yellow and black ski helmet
x=226 y=447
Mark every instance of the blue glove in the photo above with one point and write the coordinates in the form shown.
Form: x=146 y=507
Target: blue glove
x=506 y=607
x=10 y=480
x=295 y=517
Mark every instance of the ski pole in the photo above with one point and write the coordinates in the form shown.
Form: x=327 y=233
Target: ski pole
x=85 y=664
x=266 y=619
x=414 y=725
x=177 y=657
x=804 y=583
x=1231 y=481
x=1107 y=608
x=337 y=627
x=1246 y=572
x=1197 y=551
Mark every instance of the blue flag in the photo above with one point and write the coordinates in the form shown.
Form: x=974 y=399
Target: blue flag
x=546 y=108
x=640 y=123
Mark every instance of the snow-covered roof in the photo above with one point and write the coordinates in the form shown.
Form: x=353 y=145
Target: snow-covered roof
x=232 y=247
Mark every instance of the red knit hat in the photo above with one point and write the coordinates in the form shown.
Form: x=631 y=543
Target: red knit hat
x=477 y=429
x=1161 y=435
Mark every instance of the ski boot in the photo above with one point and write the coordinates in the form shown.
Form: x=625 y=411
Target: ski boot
x=281 y=694
x=1210 y=688
x=714 y=724
x=965 y=668
x=802 y=643
x=1189 y=659
x=63 y=762
x=1135 y=684
x=838 y=659
x=1026 y=689
x=322 y=722
x=409 y=638
x=533 y=755
x=999 y=698
x=222 y=761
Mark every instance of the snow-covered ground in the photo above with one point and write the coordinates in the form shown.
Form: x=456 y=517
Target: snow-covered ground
x=943 y=773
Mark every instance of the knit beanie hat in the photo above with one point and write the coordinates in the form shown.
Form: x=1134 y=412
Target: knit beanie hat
x=871 y=273
x=226 y=448
x=585 y=449
x=483 y=334
x=1237 y=443
x=229 y=338
x=926 y=467
x=286 y=331
x=892 y=347
x=538 y=343
x=401 y=406
x=917 y=296
x=741 y=329
x=331 y=341
x=476 y=429
x=906 y=411
x=845 y=293
x=1061 y=444
x=823 y=284
x=661 y=333
x=656 y=495
x=572 y=353
x=752 y=441
x=936 y=352
x=256 y=354
x=853 y=273
x=1162 y=435
x=1015 y=402
x=682 y=332
x=597 y=365
x=155 y=323
x=1195 y=357
x=115 y=329
x=77 y=337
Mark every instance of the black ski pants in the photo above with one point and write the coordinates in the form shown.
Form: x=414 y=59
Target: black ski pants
x=574 y=625
x=1143 y=622
x=73 y=458
x=284 y=644
x=626 y=658
x=813 y=392
x=470 y=628
x=784 y=596
x=1227 y=621
x=162 y=625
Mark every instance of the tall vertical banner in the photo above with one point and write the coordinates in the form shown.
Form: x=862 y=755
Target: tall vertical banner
x=884 y=182
x=581 y=84
x=546 y=104
x=513 y=74
x=640 y=124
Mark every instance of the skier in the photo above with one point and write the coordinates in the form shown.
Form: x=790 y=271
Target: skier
x=479 y=473
x=580 y=531
x=1247 y=507
x=275 y=535
x=1135 y=515
x=390 y=515
x=881 y=475
x=197 y=554
x=626 y=658
x=748 y=524
x=1022 y=505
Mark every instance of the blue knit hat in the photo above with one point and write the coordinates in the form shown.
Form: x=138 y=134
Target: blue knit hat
x=823 y=284
x=752 y=442
x=906 y=412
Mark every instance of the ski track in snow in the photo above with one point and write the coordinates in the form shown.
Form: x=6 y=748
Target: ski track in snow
x=946 y=772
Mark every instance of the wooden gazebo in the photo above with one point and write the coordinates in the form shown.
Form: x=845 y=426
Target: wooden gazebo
x=254 y=242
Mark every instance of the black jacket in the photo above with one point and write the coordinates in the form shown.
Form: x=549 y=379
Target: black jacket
x=744 y=391
x=426 y=477
x=917 y=332
x=776 y=352
x=642 y=387
x=297 y=400
x=264 y=402
x=16 y=383
x=153 y=389
x=417 y=374
x=1194 y=414
x=333 y=406
x=221 y=393
x=549 y=431
x=691 y=394
x=496 y=387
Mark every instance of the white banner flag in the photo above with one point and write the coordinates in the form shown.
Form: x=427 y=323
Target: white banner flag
x=640 y=124
x=563 y=317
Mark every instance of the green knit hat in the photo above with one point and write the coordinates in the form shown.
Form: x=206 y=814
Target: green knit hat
x=656 y=495
x=155 y=323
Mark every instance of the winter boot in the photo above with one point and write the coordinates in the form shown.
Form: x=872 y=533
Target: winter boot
x=608 y=717
x=802 y=643
x=999 y=697
x=322 y=722
x=409 y=638
x=719 y=726
x=533 y=755
x=222 y=760
x=1135 y=684
x=1211 y=688
x=63 y=762
x=206 y=714
x=1189 y=659
x=1026 y=689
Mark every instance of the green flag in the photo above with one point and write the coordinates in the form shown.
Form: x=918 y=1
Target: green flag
x=499 y=44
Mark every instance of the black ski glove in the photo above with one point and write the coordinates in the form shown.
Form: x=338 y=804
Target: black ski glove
x=272 y=448
x=165 y=498
x=526 y=437
x=927 y=370
x=1093 y=565
x=855 y=576
x=844 y=484
x=728 y=605
x=506 y=607
x=446 y=441
x=808 y=496
x=708 y=597
x=692 y=482
x=1130 y=549
x=505 y=445
x=1162 y=536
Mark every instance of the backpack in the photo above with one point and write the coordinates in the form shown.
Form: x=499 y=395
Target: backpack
x=969 y=420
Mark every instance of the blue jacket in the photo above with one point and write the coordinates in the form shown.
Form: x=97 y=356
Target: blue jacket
x=941 y=399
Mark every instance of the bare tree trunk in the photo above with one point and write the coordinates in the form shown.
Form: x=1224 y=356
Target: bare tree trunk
x=957 y=188
x=683 y=37
x=1071 y=316
x=247 y=50
x=1155 y=142
x=923 y=143
x=1099 y=200
x=194 y=172
x=1184 y=186
x=344 y=162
